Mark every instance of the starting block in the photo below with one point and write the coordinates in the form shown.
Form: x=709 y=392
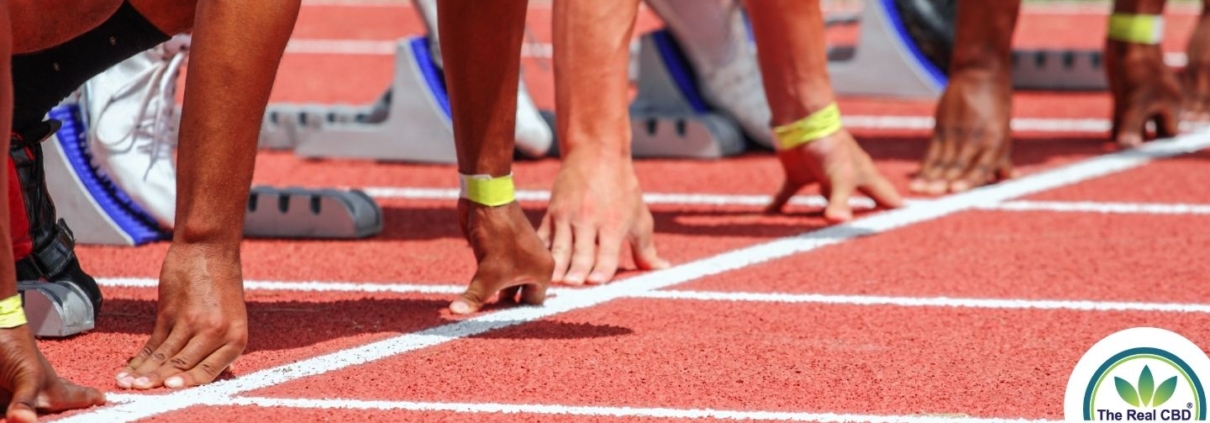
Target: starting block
x=99 y=212
x=417 y=126
x=886 y=61
x=668 y=117
x=889 y=61
x=56 y=309
x=97 y=209
x=308 y=213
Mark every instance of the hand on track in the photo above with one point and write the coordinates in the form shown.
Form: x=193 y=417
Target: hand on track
x=972 y=139
x=841 y=168
x=596 y=206
x=201 y=324
x=512 y=261
x=28 y=383
x=1144 y=89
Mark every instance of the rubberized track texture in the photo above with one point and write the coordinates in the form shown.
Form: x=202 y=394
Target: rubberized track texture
x=962 y=308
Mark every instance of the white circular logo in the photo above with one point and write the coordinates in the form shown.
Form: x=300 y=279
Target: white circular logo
x=1139 y=374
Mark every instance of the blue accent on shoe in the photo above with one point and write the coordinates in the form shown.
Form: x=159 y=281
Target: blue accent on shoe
x=432 y=74
x=935 y=74
x=678 y=68
x=130 y=218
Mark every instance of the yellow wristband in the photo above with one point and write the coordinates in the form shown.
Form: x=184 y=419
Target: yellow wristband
x=12 y=314
x=1138 y=29
x=820 y=124
x=488 y=191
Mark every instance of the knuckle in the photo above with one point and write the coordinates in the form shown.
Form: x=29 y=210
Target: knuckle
x=179 y=363
x=210 y=370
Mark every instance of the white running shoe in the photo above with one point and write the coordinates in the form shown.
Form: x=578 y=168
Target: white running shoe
x=534 y=136
x=736 y=90
x=132 y=119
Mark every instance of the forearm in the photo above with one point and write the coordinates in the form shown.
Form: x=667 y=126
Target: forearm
x=592 y=54
x=481 y=45
x=237 y=46
x=793 y=57
x=8 y=272
x=983 y=36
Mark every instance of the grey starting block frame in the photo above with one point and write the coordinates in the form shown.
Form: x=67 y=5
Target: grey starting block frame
x=668 y=117
x=56 y=309
x=1075 y=70
x=308 y=213
x=886 y=62
x=417 y=126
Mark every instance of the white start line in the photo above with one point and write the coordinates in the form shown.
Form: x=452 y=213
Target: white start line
x=581 y=410
x=223 y=392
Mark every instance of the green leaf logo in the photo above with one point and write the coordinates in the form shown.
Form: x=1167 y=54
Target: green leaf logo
x=1146 y=394
x=1126 y=391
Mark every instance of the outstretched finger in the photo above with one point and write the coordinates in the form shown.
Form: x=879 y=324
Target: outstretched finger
x=560 y=248
x=838 y=209
x=642 y=246
x=607 y=258
x=23 y=406
x=545 y=229
x=206 y=370
x=783 y=196
x=477 y=293
x=162 y=329
x=1129 y=127
x=65 y=395
x=882 y=192
x=138 y=378
x=1167 y=122
x=585 y=253
x=200 y=348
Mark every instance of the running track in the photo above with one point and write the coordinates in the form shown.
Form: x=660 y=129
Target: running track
x=965 y=308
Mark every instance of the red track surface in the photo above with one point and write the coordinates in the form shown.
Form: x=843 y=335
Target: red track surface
x=690 y=354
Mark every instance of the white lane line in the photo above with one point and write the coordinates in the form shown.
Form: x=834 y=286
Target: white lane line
x=815 y=201
x=324 y=46
x=307 y=286
x=576 y=410
x=1100 y=207
x=925 y=123
x=579 y=299
x=876 y=300
x=860 y=300
x=600 y=411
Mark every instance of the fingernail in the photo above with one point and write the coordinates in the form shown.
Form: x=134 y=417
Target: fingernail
x=142 y=382
x=596 y=278
x=174 y=382
x=122 y=375
x=460 y=307
x=126 y=382
x=574 y=279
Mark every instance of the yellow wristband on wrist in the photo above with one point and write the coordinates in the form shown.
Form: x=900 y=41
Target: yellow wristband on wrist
x=487 y=190
x=1138 y=29
x=12 y=313
x=820 y=124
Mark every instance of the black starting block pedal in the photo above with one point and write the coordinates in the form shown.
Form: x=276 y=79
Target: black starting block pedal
x=56 y=309
x=311 y=213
